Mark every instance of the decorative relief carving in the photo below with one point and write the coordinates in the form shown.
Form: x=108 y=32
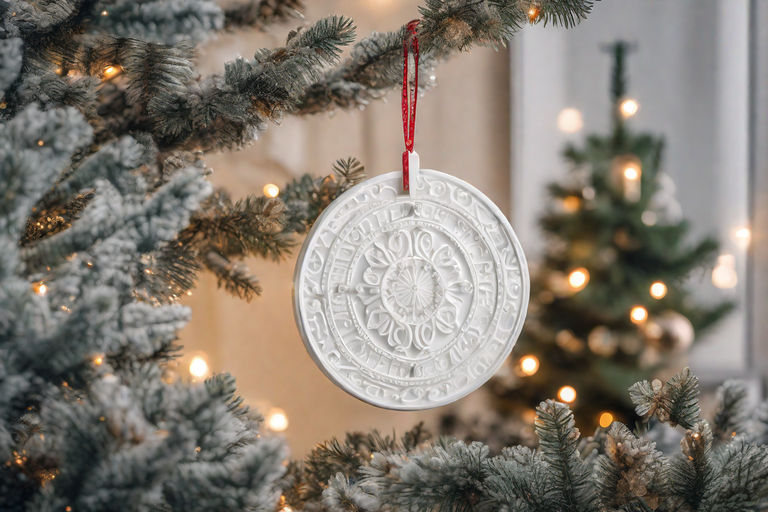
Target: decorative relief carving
x=411 y=303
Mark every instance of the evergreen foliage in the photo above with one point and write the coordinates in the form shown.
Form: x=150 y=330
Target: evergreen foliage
x=615 y=470
x=107 y=217
x=618 y=236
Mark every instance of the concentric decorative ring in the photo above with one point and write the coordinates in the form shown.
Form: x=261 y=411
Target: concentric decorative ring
x=411 y=302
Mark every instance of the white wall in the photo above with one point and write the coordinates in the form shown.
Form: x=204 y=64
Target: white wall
x=690 y=75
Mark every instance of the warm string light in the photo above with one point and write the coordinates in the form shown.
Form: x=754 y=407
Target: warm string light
x=743 y=237
x=638 y=314
x=533 y=13
x=724 y=274
x=98 y=359
x=40 y=288
x=629 y=107
x=271 y=190
x=632 y=171
x=284 y=507
x=111 y=71
x=578 y=279
x=571 y=204
x=40 y=143
x=658 y=290
x=277 y=420
x=529 y=365
x=627 y=176
x=569 y=120
x=105 y=13
x=605 y=419
x=567 y=394
x=198 y=367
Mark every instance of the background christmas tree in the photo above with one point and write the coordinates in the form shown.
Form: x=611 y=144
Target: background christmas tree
x=610 y=301
x=107 y=219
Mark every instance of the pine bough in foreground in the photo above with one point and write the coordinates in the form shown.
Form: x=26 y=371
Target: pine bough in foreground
x=91 y=417
x=722 y=465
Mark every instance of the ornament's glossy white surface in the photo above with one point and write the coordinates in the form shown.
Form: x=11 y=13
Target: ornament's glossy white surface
x=411 y=301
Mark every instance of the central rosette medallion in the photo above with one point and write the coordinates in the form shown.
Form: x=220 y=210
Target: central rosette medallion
x=417 y=285
x=412 y=290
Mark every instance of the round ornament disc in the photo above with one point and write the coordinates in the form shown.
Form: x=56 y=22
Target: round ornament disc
x=411 y=301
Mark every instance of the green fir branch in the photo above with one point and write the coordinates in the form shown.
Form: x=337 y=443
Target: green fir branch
x=558 y=444
x=675 y=402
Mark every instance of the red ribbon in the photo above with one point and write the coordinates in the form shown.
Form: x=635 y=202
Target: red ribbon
x=410 y=42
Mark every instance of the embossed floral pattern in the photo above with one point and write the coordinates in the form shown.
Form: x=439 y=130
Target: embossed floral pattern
x=411 y=302
x=416 y=286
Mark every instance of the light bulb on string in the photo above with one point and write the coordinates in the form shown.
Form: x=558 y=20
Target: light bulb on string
x=111 y=71
x=743 y=236
x=626 y=176
x=284 y=507
x=529 y=365
x=658 y=290
x=277 y=420
x=198 y=367
x=533 y=13
x=571 y=204
x=629 y=107
x=40 y=288
x=98 y=359
x=567 y=394
x=605 y=419
x=578 y=279
x=569 y=120
x=638 y=314
x=271 y=190
x=632 y=171
x=724 y=274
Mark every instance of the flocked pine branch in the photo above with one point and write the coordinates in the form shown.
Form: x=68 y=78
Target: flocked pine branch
x=225 y=231
x=375 y=65
x=558 y=444
x=676 y=401
x=616 y=470
x=129 y=68
x=67 y=42
x=91 y=417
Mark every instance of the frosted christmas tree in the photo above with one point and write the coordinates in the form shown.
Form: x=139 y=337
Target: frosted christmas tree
x=610 y=300
x=107 y=218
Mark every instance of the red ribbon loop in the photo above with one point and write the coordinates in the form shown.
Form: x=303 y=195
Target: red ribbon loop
x=410 y=42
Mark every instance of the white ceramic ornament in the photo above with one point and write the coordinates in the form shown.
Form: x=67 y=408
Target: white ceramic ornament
x=411 y=300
